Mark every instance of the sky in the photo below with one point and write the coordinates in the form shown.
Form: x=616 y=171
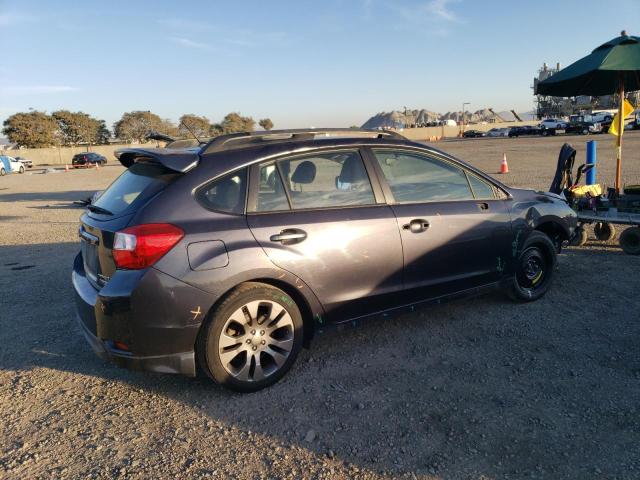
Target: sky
x=332 y=63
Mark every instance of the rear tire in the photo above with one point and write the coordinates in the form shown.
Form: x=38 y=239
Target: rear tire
x=2 y=172
x=251 y=339
x=21 y=170
x=604 y=231
x=630 y=241
x=535 y=269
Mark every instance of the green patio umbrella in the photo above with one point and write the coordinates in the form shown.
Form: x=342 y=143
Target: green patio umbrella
x=613 y=67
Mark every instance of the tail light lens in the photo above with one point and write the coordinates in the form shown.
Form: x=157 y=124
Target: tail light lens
x=141 y=246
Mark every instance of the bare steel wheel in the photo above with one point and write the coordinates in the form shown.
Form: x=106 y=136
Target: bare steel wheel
x=256 y=340
x=534 y=269
x=252 y=338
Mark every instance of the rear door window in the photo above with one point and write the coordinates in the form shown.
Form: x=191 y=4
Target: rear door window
x=328 y=179
x=271 y=194
x=137 y=183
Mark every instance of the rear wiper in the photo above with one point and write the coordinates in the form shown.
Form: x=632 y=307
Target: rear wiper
x=96 y=209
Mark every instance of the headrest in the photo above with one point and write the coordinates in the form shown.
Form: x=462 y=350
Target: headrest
x=353 y=171
x=304 y=173
x=228 y=194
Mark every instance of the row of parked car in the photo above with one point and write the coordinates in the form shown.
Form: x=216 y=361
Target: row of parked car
x=577 y=124
x=20 y=164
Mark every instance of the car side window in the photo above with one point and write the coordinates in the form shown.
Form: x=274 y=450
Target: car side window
x=414 y=177
x=271 y=194
x=331 y=179
x=225 y=194
x=481 y=189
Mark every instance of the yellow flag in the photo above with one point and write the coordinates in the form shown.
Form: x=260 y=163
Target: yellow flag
x=627 y=109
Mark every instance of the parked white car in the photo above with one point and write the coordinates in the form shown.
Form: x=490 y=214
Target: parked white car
x=498 y=132
x=553 y=123
x=10 y=165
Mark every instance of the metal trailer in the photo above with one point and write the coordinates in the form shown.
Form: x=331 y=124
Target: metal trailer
x=604 y=221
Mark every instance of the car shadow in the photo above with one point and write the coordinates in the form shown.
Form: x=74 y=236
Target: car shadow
x=68 y=196
x=60 y=206
x=480 y=385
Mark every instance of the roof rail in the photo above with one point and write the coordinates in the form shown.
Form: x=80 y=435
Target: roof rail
x=230 y=140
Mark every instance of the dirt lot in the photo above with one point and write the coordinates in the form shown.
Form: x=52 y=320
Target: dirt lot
x=478 y=389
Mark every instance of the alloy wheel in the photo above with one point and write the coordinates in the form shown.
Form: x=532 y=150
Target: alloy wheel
x=256 y=340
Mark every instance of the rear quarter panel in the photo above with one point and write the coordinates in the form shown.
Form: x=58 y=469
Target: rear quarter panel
x=246 y=260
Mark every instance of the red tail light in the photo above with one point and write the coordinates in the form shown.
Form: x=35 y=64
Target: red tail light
x=141 y=246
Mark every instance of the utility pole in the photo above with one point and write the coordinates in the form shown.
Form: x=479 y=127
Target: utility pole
x=462 y=129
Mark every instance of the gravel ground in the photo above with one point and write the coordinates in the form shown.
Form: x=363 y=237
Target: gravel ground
x=476 y=389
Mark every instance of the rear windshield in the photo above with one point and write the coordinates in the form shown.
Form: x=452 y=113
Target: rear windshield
x=140 y=181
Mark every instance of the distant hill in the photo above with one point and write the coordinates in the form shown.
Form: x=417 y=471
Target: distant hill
x=423 y=117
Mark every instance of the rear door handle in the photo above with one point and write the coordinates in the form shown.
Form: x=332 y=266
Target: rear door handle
x=483 y=206
x=289 y=236
x=416 y=225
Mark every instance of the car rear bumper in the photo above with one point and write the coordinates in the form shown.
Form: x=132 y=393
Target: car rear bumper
x=153 y=314
x=183 y=363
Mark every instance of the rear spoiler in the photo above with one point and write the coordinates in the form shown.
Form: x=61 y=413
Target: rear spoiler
x=180 y=161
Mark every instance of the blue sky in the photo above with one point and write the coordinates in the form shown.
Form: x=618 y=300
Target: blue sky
x=301 y=63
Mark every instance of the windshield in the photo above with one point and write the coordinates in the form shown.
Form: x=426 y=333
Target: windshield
x=140 y=181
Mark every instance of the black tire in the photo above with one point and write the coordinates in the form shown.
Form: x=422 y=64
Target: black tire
x=604 y=231
x=2 y=172
x=534 y=270
x=580 y=237
x=209 y=352
x=585 y=131
x=630 y=241
x=21 y=170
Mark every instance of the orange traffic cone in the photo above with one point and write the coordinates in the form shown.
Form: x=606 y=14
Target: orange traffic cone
x=97 y=166
x=504 y=166
x=66 y=167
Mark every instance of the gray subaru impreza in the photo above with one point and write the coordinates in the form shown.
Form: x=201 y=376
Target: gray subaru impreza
x=228 y=254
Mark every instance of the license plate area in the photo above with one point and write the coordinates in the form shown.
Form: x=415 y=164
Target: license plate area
x=89 y=247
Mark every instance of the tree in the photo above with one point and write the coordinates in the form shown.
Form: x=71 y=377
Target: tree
x=200 y=126
x=134 y=126
x=215 y=130
x=168 y=128
x=104 y=134
x=266 y=123
x=78 y=127
x=32 y=129
x=234 y=122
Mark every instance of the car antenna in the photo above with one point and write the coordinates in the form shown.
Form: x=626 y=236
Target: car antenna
x=190 y=131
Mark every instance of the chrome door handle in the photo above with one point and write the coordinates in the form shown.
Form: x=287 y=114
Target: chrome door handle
x=416 y=225
x=289 y=236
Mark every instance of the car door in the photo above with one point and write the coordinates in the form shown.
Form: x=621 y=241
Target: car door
x=320 y=217
x=14 y=164
x=455 y=225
